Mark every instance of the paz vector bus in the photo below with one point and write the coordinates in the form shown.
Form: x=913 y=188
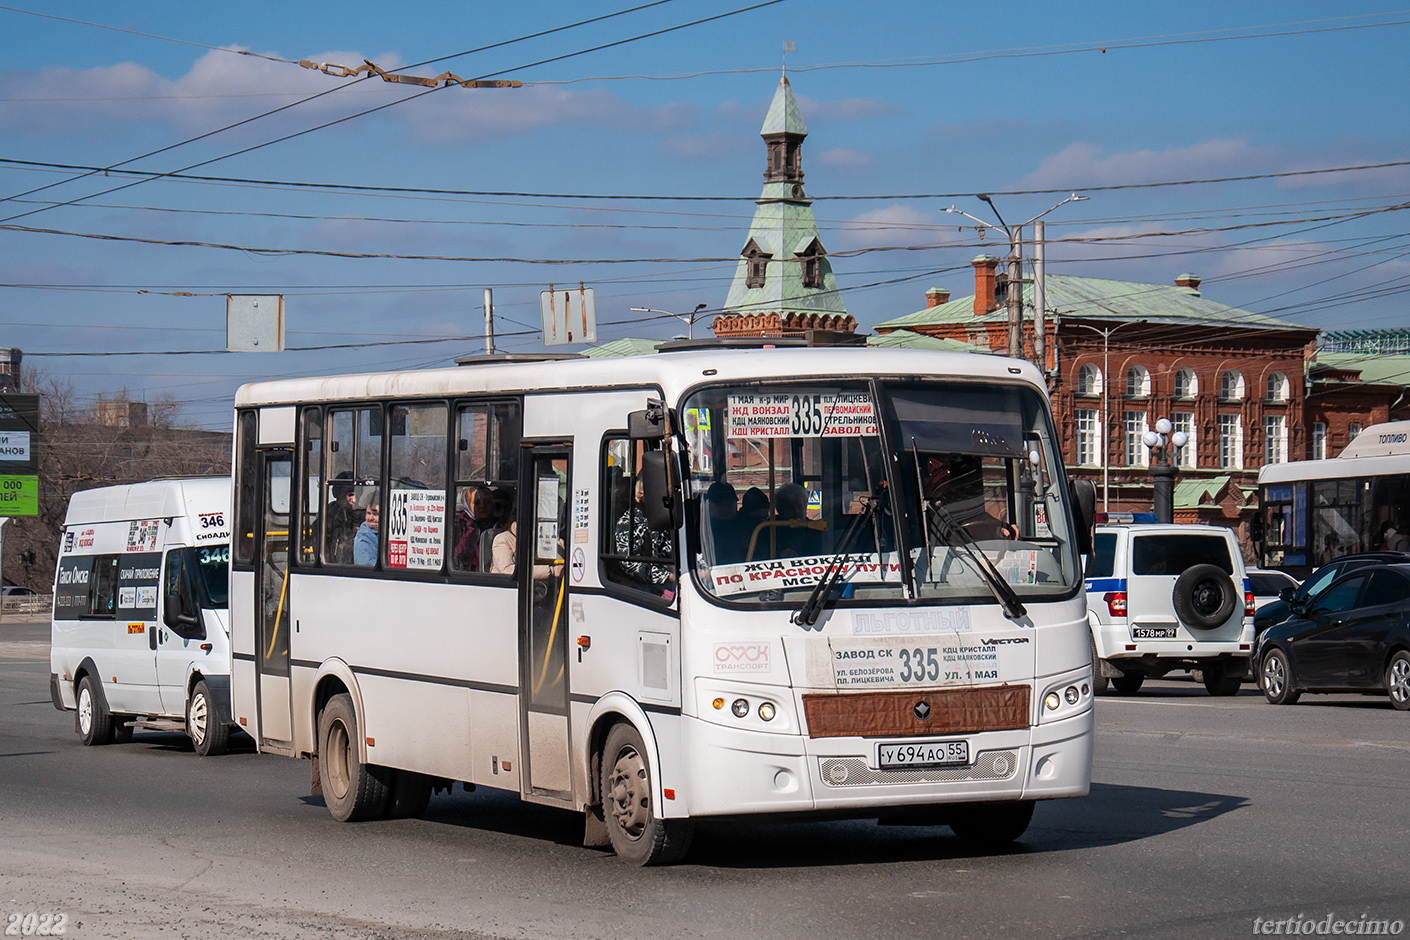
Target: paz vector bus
x=710 y=582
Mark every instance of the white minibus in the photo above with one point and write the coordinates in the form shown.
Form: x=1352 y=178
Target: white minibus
x=140 y=634
x=710 y=582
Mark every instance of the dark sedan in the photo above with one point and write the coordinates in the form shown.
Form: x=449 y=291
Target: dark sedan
x=1354 y=636
x=1280 y=610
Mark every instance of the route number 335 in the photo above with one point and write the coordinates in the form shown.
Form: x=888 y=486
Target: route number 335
x=35 y=924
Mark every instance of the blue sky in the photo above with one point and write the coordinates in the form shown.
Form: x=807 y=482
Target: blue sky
x=901 y=99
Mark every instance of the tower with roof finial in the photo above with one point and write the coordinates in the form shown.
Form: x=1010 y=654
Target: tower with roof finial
x=784 y=282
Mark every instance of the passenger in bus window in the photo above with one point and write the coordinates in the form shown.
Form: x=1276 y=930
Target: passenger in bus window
x=366 y=541
x=631 y=536
x=343 y=520
x=506 y=546
x=727 y=526
x=1392 y=539
x=799 y=540
x=472 y=519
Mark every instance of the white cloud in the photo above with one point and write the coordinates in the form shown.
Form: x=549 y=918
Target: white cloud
x=896 y=224
x=847 y=161
x=1082 y=164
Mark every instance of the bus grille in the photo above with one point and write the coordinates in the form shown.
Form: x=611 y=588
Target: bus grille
x=927 y=713
x=854 y=772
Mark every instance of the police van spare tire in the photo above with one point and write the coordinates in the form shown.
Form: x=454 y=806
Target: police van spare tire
x=1204 y=597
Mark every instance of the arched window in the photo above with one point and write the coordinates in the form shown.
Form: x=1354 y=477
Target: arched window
x=1089 y=380
x=1138 y=382
x=1277 y=387
x=1186 y=384
x=1231 y=386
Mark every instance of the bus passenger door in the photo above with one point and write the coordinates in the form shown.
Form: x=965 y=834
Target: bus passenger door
x=272 y=599
x=543 y=622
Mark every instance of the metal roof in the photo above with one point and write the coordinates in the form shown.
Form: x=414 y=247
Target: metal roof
x=1105 y=299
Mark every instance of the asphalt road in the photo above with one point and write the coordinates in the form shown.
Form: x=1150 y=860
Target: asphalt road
x=1204 y=815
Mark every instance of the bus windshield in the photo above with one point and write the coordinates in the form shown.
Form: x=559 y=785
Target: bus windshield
x=788 y=482
x=213 y=563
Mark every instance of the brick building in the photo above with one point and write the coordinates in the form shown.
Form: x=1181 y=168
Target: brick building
x=1122 y=355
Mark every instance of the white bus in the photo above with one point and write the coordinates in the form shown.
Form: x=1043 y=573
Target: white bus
x=1312 y=511
x=705 y=583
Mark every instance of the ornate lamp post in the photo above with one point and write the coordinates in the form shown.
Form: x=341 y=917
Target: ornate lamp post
x=1160 y=441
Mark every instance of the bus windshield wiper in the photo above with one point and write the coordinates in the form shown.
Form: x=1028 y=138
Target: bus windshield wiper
x=807 y=615
x=956 y=536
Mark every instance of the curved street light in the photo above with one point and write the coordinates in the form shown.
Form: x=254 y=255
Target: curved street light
x=686 y=318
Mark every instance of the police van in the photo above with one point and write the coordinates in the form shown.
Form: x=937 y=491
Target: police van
x=141 y=634
x=1162 y=597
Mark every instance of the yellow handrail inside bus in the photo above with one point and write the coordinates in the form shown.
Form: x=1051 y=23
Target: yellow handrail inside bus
x=278 y=615
x=548 y=647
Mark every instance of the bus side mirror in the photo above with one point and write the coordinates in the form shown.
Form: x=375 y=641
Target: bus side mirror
x=649 y=424
x=176 y=618
x=658 y=497
x=1084 y=512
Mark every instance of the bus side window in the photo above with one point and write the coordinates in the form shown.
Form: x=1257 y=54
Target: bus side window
x=633 y=555
x=247 y=502
x=486 y=440
x=102 y=587
x=312 y=491
x=178 y=583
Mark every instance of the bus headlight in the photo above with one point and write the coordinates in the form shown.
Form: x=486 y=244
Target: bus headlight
x=766 y=711
x=1051 y=701
x=740 y=707
x=1071 y=695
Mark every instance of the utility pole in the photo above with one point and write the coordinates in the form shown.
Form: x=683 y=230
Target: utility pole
x=1040 y=299
x=1015 y=292
x=489 y=321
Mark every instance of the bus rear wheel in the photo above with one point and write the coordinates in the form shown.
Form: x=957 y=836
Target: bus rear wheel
x=638 y=835
x=352 y=790
x=991 y=823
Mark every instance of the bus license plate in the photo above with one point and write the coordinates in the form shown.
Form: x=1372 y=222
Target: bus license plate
x=1153 y=633
x=912 y=754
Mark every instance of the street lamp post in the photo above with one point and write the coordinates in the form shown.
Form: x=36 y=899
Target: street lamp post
x=1015 y=237
x=1162 y=471
x=1106 y=410
x=686 y=318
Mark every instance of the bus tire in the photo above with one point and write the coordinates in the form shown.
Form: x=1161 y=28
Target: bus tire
x=991 y=823
x=1099 y=681
x=638 y=835
x=209 y=736
x=93 y=720
x=352 y=790
x=408 y=794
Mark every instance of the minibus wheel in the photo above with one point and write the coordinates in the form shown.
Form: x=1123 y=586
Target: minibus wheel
x=95 y=723
x=209 y=736
x=639 y=836
x=352 y=790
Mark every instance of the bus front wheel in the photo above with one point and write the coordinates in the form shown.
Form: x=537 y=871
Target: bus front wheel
x=351 y=789
x=639 y=836
x=991 y=823
x=95 y=723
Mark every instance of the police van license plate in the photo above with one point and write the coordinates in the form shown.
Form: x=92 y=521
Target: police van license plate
x=1153 y=633
x=916 y=754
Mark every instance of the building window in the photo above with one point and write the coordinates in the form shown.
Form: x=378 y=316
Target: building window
x=1231 y=442
x=810 y=261
x=1319 y=440
x=1138 y=382
x=1275 y=439
x=1352 y=429
x=1089 y=380
x=1231 y=386
x=1137 y=454
x=1277 y=387
x=1184 y=421
x=756 y=262
x=1186 y=384
x=1087 y=437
